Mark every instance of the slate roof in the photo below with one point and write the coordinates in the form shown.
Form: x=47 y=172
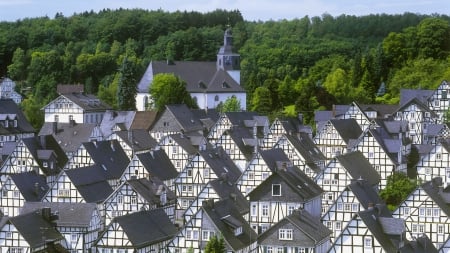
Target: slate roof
x=149 y=189
x=272 y=157
x=237 y=118
x=136 y=227
x=49 y=144
x=221 y=163
x=138 y=139
x=364 y=192
x=357 y=166
x=201 y=77
x=91 y=182
x=422 y=105
x=303 y=221
x=307 y=149
x=158 y=164
x=383 y=110
x=422 y=244
x=69 y=88
x=348 y=129
x=244 y=140
x=69 y=136
x=390 y=145
x=301 y=187
x=113 y=118
x=226 y=217
x=89 y=102
x=108 y=154
x=439 y=195
x=32 y=186
x=185 y=118
x=406 y=95
x=36 y=230
x=227 y=190
x=8 y=106
x=184 y=142
x=69 y=214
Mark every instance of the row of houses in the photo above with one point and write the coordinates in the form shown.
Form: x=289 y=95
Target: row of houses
x=94 y=179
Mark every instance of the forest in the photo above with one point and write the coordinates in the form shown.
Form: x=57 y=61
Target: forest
x=287 y=66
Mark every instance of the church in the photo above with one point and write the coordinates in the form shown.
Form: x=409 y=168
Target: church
x=209 y=83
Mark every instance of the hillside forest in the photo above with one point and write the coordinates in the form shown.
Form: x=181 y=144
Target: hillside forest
x=287 y=66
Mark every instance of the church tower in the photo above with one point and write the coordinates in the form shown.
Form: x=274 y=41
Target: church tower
x=226 y=59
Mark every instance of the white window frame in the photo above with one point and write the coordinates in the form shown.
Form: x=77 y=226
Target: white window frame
x=368 y=241
x=274 y=187
x=285 y=234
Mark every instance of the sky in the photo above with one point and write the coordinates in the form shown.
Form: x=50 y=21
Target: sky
x=251 y=10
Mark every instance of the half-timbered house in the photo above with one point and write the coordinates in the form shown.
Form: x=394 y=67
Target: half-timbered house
x=357 y=196
x=140 y=232
x=207 y=165
x=216 y=190
x=31 y=232
x=220 y=218
x=83 y=108
x=20 y=188
x=136 y=195
x=303 y=153
x=258 y=124
x=7 y=90
x=297 y=232
x=282 y=126
x=70 y=136
x=113 y=121
x=340 y=172
x=426 y=211
x=260 y=168
x=134 y=141
x=79 y=223
x=152 y=164
x=179 y=148
x=13 y=124
x=176 y=119
x=375 y=230
x=436 y=163
x=337 y=137
x=286 y=190
x=438 y=101
x=40 y=154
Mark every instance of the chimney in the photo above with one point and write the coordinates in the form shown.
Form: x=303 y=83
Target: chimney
x=36 y=189
x=42 y=141
x=55 y=127
x=46 y=213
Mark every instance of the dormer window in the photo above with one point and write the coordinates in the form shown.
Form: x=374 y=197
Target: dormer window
x=238 y=231
x=225 y=85
x=276 y=190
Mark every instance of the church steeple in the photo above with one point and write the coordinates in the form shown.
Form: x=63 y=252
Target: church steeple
x=226 y=59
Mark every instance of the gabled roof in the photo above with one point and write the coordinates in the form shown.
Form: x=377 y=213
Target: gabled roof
x=113 y=118
x=406 y=95
x=440 y=196
x=310 y=226
x=91 y=182
x=357 y=165
x=146 y=228
x=301 y=187
x=423 y=106
x=8 y=106
x=158 y=164
x=137 y=139
x=227 y=190
x=184 y=142
x=383 y=110
x=69 y=88
x=184 y=117
x=88 y=102
x=69 y=136
x=238 y=118
x=244 y=139
x=226 y=217
x=69 y=214
x=151 y=189
x=32 y=186
x=35 y=229
x=221 y=163
x=273 y=158
x=348 y=129
x=109 y=155
x=364 y=192
x=46 y=143
x=307 y=149
x=144 y=120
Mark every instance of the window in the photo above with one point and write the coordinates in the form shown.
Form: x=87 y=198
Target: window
x=291 y=209
x=253 y=210
x=285 y=234
x=74 y=238
x=414 y=228
x=339 y=206
x=427 y=171
x=438 y=156
x=8 y=235
x=205 y=173
x=338 y=225
x=444 y=94
x=265 y=210
x=265 y=175
x=184 y=203
x=177 y=164
x=406 y=211
x=422 y=211
x=347 y=207
x=370 y=154
x=195 y=234
x=329 y=225
x=188 y=234
x=206 y=235
x=16 y=194
x=119 y=199
x=368 y=242
x=251 y=176
x=436 y=212
x=238 y=231
x=276 y=190
x=421 y=228
x=56 y=118
x=63 y=193
x=269 y=249
x=133 y=200
x=440 y=229
x=436 y=102
x=355 y=207
x=16 y=250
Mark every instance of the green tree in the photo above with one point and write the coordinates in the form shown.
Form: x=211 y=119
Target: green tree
x=32 y=110
x=17 y=69
x=169 y=89
x=126 y=92
x=261 y=100
x=398 y=187
x=433 y=34
x=215 y=245
x=231 y=104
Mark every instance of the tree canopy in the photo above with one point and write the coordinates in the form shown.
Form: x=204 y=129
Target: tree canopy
x=169 y=89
